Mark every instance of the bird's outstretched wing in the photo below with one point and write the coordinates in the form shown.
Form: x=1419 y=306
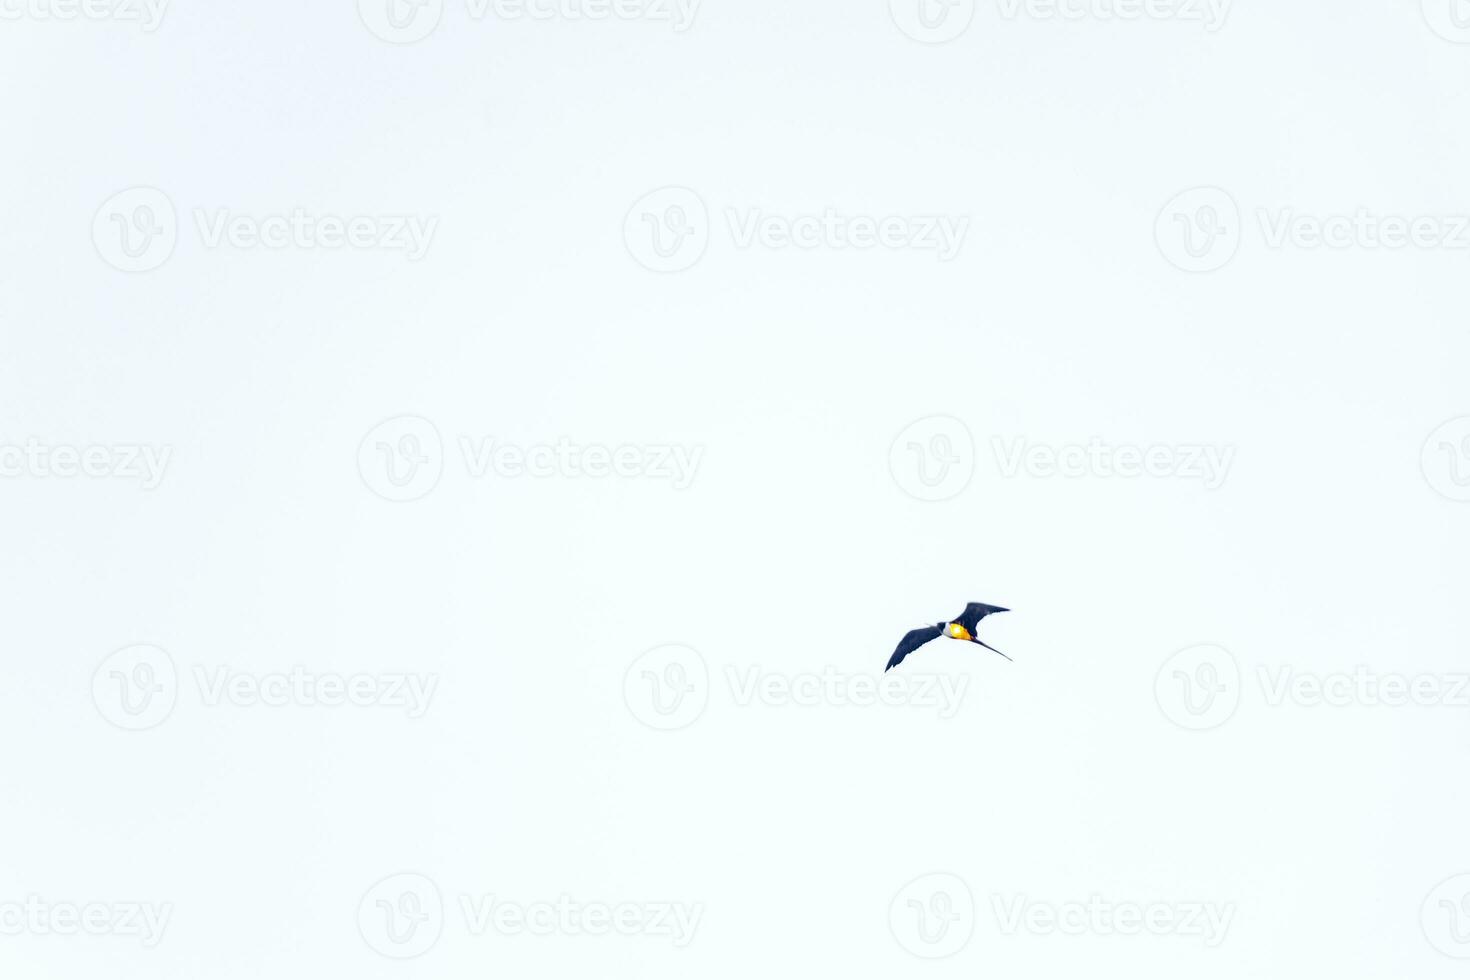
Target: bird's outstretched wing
x=911 y=641
x=975 y=612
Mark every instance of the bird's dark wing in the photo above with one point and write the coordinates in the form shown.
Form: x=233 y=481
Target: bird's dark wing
x=911 y=641
x=975 y=612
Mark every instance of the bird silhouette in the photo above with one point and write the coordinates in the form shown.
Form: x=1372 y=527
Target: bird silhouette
x=962 y=627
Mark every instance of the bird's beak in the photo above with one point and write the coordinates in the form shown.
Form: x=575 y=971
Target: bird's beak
x=989 y=647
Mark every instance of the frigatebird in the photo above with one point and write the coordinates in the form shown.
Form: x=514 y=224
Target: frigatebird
x=962 y=627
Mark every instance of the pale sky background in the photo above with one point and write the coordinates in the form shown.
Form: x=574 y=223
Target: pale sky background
x=806 y=388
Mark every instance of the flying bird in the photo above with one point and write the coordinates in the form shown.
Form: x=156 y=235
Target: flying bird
x=962 y=627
